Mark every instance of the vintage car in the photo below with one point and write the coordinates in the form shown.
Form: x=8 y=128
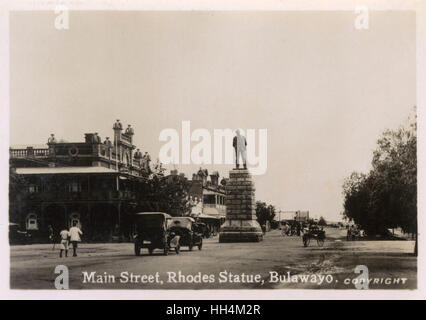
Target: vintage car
x=152 y=232
x=17 y=236
x=201 y=228
x=188 y=231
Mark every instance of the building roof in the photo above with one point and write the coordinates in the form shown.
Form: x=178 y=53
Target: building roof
x=64 y=170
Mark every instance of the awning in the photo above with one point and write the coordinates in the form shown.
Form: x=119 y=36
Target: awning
x=64 y=170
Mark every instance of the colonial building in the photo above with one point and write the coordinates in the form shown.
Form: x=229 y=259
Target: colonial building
x=208 y=197
x=92 y=182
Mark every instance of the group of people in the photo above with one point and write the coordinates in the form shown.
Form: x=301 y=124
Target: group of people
x=96 y=138
x=292 y=228
x=69 y=236
x=118 y=126
x=143 y=159
x=354 y=232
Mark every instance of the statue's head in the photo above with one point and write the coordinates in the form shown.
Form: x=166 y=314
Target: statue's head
x=239 y=132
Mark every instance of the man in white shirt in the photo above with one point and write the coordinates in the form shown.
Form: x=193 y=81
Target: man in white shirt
x=75 y=233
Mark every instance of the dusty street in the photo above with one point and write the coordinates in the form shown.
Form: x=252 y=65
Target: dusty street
x=253 y=265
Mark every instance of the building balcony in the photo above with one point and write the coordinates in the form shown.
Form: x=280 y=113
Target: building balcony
x=53 y=196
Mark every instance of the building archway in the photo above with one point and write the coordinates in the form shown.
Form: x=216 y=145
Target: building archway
x=74 y=217
x=31 y=222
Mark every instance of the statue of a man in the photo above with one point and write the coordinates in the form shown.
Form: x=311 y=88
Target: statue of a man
x=239 y=143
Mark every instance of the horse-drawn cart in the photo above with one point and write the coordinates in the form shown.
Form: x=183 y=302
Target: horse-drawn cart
x=315 y=234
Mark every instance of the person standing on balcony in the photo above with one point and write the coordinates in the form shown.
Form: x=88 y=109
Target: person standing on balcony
x=51 y=139
x=108 y=143
x=147 y=160
x=138 y=154
x=129 y=130
x=75 y=233
x=96 y=138
x=118 y=125
x=138 y=157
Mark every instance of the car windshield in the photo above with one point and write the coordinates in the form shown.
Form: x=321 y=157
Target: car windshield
x=183 y=223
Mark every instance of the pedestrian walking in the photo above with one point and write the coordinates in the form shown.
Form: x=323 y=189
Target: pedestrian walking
x=75 y=233
x=51 y=235
x=63 y=246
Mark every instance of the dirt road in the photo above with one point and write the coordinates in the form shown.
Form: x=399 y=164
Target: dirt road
x=277 y=262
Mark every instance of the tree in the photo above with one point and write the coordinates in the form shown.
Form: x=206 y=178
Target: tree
x=322 y=221
x=167 y=194
x=386 y=197
x=264 y=212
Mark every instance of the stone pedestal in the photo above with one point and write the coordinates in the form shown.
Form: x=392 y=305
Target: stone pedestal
x=240 y=224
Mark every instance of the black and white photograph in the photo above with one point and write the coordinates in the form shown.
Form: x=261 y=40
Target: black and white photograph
x=181 y=150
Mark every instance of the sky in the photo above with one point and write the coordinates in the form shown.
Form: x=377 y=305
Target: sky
x=323 y=90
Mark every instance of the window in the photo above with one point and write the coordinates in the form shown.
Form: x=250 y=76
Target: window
x=32 y=188
x=74 y=187
x=209 y=199
x=31 y=222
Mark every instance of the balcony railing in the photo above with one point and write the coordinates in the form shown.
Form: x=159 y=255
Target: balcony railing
x=126 y=138
x=28 y=152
